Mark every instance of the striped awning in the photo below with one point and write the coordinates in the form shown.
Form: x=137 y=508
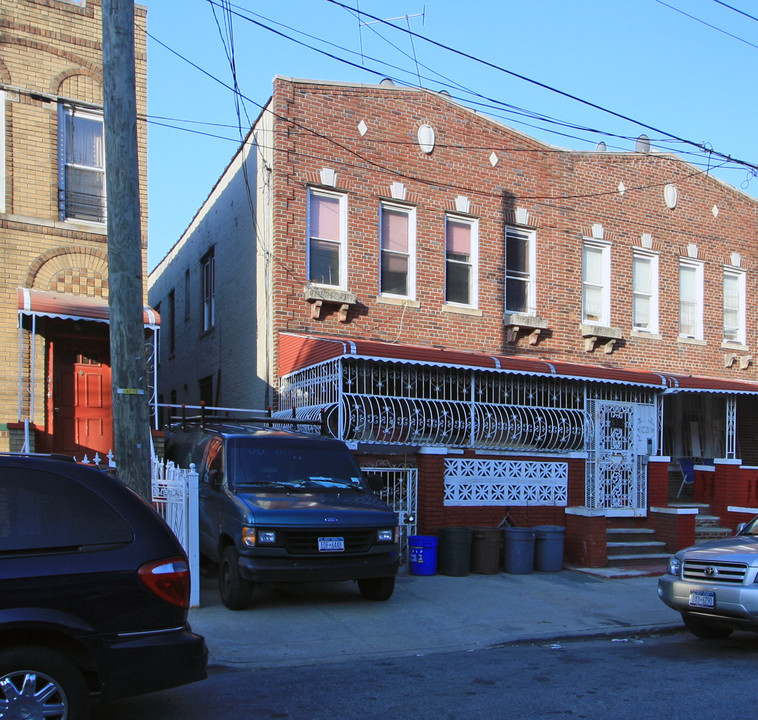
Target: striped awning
x=73 y=307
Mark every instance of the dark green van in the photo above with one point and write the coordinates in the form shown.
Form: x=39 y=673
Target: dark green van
x=281 y=506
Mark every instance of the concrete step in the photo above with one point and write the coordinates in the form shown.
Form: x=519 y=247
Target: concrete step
x=651 y=547
x=629 y=535
x=656 y=561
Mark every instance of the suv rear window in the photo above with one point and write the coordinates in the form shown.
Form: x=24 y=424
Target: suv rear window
x=45 y=511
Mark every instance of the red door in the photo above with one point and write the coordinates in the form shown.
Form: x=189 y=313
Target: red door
x=82 y=404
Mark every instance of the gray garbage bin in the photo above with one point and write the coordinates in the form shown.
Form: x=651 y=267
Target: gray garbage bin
x=548 y=547
x=519 y=550
x=454 y=551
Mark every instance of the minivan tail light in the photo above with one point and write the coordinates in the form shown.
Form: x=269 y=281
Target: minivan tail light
x=168 y=579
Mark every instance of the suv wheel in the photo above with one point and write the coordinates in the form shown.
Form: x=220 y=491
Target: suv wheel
x=704 y=630
x=377 y=588
x=36 y=682
x=236 y=592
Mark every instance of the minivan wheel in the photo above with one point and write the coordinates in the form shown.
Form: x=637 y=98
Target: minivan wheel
x=377 y=588
x=704 y=630
x=36 y=682
x=236 y=592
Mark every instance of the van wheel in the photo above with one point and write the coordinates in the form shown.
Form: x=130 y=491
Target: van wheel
x=36 y=682
x=704 y=630
x=377 y=588
x=236 y=592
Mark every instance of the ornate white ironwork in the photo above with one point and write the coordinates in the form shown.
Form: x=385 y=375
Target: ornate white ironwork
x=400 y=493
x=731 y=427
x=505 y=482
x=623 y=435
x=408 y=404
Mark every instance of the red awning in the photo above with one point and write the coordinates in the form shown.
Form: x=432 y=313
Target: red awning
x=688 y=383
x=297 y=352
x=73 y=307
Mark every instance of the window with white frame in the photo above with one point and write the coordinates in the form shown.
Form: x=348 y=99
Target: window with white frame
x=645 y=291
x=398 y=251
x=81 y=165
x=461 y=243
x=327 y=238
x=208 y=267
x=690 y=299
x=596 y=283
x=734 y=306
x=520 y=254
x=2 y=151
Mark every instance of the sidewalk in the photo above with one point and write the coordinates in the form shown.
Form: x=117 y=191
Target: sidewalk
x=330 y=622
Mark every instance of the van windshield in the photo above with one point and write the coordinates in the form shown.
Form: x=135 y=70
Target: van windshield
x=296 y=466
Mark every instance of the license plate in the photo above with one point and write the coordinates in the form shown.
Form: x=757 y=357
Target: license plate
x=331 y=544
x=702 y=598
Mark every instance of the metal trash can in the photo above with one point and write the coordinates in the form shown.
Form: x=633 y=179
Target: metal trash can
x=454 y=551
x=485 y=550
x=519 y=550
x=422 y=554
x=548 y=547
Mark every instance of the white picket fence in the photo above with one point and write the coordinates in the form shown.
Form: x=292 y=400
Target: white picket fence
x=175 y=497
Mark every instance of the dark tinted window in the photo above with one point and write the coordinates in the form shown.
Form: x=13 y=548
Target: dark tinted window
x=304 y=464
x=43 y=510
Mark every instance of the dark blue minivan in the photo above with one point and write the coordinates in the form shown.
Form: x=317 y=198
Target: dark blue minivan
x=283 y=506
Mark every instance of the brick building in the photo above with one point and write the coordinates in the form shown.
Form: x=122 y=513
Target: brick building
x=501 y=326
x=55 y=367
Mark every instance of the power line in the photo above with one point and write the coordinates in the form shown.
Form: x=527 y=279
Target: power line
x=741 y=12
x=707 y=24
x=550 y=88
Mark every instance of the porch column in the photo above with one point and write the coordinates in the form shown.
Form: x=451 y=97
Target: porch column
x=731 y=427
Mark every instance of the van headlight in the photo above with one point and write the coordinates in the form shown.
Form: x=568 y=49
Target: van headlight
x=386 y=535
x=252 y=537
x=675 y=565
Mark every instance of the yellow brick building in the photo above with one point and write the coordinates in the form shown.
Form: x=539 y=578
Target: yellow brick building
x=54 y=358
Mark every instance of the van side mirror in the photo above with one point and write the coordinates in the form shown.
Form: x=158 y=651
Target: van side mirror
x=375 y=482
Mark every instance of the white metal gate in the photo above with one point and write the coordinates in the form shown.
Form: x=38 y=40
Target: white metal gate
x=399 y=491
x=619 y=443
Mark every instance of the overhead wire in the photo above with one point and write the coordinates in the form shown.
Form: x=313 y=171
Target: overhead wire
x=545 y=86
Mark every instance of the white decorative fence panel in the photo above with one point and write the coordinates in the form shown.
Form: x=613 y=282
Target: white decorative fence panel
x=175 y=497
x=505 y=482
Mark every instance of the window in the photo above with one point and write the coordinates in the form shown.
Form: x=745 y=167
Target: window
x=208 y=264
x=691 y=299
x=327 y=233
x=187 y=296
x=171 y=323
x=398 y=245
x=596 y=283
x=2 y=151
x=81 y=166
x=461 y=243
x=645 y=292
x=519 y=272
x=734 y=306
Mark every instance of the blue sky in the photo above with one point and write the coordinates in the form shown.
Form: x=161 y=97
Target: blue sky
x=684 y=67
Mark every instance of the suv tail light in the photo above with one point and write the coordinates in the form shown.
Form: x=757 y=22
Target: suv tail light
x=168 y=579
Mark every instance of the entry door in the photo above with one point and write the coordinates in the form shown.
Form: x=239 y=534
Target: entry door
x=616 y=464
x=82 y=404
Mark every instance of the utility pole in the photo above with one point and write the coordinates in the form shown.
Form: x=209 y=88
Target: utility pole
x=131 y=423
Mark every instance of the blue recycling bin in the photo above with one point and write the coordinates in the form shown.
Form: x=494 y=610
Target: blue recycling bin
x=422 y=554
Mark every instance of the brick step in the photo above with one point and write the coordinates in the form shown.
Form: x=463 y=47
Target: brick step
x=652 y=547
x=711 y=532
